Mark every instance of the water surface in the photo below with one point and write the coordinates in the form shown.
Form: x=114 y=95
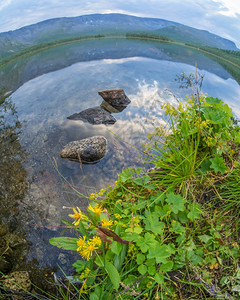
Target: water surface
x=44 y=98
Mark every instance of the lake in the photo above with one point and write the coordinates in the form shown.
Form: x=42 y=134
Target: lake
x=52 y=85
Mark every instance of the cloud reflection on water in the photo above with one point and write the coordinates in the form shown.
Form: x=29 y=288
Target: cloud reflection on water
x=45 y=102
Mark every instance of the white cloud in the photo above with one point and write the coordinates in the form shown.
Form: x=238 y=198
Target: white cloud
x=5 y=3
x=221 y=17
x=230 y=8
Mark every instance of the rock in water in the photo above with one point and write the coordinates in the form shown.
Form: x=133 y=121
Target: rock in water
x=18 y=281
x=89 y=150
x=94 y=115
x=109 y=107
x=116 y=98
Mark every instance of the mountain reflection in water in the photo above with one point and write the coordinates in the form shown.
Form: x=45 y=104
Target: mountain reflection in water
x=16 y=74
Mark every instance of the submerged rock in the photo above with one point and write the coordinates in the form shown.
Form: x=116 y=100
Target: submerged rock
x=18 y=281
x=116 y=98
x=88 y=150
x=94 y=115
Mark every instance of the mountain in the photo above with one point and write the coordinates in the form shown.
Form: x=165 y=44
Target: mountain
x=105 y=24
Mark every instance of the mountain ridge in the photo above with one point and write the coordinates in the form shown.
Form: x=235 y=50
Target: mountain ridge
x=107 y=24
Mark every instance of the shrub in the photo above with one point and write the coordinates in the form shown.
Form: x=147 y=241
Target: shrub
x=155 y=234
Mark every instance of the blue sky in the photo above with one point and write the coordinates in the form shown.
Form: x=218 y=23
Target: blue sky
x=221 y=17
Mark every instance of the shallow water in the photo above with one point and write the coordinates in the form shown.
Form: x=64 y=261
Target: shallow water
x=43 y=104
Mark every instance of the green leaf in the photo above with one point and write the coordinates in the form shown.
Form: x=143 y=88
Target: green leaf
x=159 y=197
x=217 y=113
x=159 y=278
x=125 y=175
x=150 y=262
x=109 y=255
x=137 y=229
x=130 y=279
x=91 y=278
x=212 y=100
x=116 y=247
x=218 y=165
x=163 y=212
x=149 y=186
x=153 y=224
x=140 y=258
x=151 y=270
x=142 y=181
x=205 y=166
x=182 y=216
x=190 y=245
x=142 y=269
x=176 y=202
x=133 y=237
x=94 y=296
x=117 y=208
x=161 y=253
x=66 y=243
x=196 y=259
x=167 y=266
x=140 y=205
x=180 y=239
x=194 y=211
x=99 y=261
x=177 y=228
x=79 y=265
x=205 y=238
x=236 y=136
x=141 y=244
x=146 y=242
x=119 y=259
x=113 y=274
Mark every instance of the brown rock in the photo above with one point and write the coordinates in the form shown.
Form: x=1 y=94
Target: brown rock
x=88 y=150
x=18 y=281
x=116 y=98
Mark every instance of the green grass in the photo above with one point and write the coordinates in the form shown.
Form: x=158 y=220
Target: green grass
x=161 y=236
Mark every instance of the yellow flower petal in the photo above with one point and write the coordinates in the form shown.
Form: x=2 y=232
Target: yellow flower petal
x=80 y=243
x=97 y=209
x=106 y=223
x=77 y=216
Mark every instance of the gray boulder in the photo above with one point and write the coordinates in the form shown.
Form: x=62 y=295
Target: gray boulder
x=94 y=115
x=116 y=98
x=108 y=107
x=89 y=150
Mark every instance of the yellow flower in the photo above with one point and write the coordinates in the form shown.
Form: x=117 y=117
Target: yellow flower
x=96 y=241
x=101 y=192
x=87 y=251
x=80 y=243
x=97 y=209
x=106 y=223
x=94 y=196
x=118 y=216
x=78 y=216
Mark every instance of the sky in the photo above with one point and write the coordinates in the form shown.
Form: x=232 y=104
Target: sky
x=221 y=17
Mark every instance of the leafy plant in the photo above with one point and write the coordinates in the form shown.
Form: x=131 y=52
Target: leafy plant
x=152 y=234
